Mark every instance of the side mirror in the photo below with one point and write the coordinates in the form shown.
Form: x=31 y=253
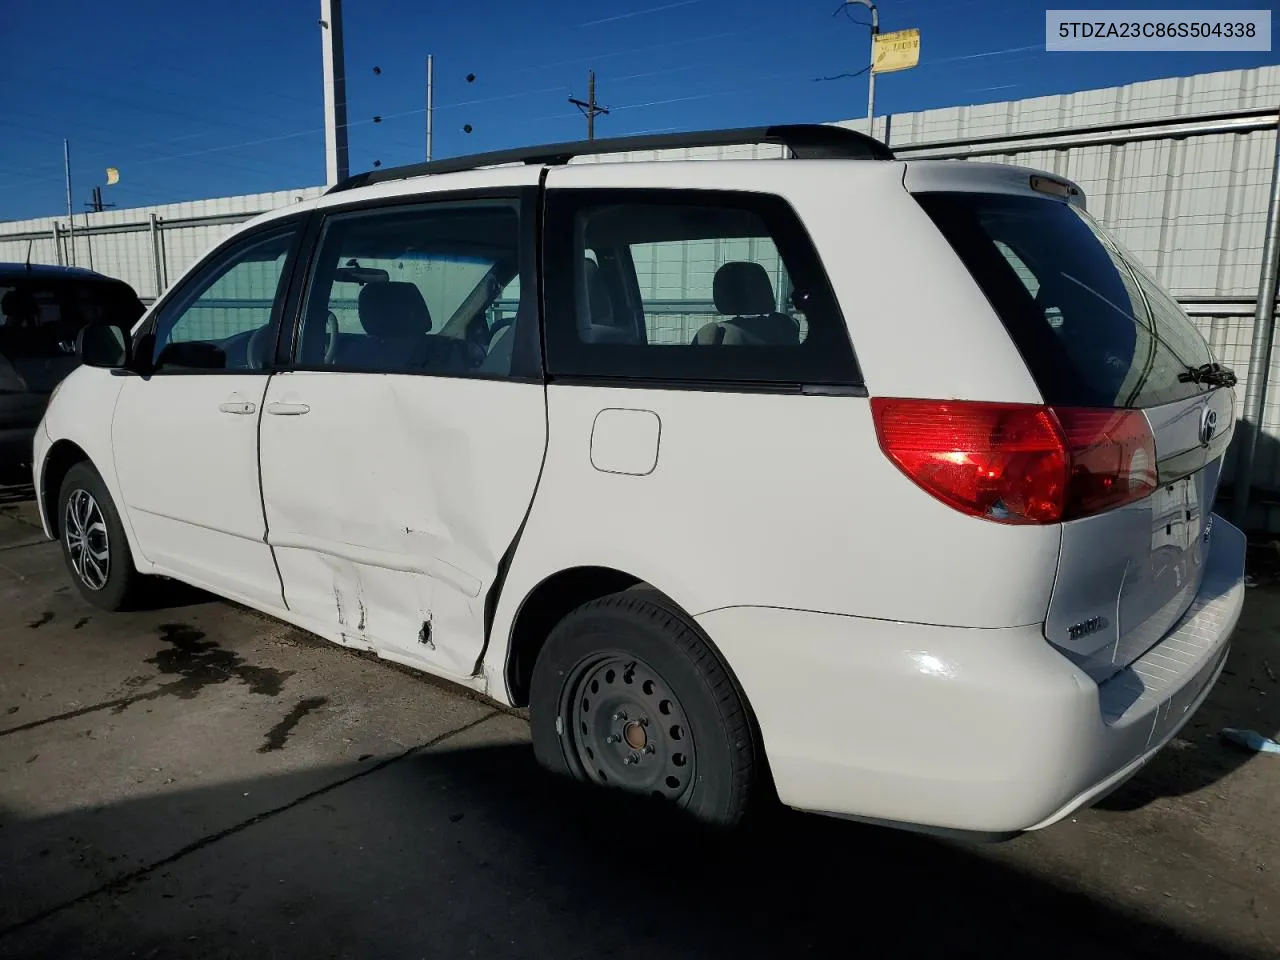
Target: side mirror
x=193 y=355
x=102 y=345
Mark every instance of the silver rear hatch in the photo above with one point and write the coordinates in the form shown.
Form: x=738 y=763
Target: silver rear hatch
x=1097 y=331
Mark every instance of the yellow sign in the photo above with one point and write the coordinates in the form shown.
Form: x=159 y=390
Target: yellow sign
x=899 y=50
x=113 y=176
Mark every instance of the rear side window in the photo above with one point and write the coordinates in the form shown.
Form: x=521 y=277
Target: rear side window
x=683 y=285
x=1093 y=325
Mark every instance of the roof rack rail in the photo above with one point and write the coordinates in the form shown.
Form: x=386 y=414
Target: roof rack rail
x=806 y=141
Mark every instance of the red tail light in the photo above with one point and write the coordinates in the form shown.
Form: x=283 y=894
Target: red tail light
x=1017 y=463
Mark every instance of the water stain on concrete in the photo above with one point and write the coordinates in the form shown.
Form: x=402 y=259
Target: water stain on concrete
x=197 y=663
x=278 y=735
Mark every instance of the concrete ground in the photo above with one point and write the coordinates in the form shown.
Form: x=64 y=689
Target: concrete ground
x=199 y=781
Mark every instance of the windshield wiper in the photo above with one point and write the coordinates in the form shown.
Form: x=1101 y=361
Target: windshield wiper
x=1210 y=374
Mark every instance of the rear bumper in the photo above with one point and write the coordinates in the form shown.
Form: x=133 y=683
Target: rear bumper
x=975 y=731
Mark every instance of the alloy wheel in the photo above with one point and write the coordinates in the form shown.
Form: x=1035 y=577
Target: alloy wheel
x=87 y=542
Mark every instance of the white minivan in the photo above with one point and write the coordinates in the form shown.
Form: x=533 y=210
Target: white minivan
x=883 y=485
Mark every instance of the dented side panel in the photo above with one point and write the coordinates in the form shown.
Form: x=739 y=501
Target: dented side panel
x=391 y=502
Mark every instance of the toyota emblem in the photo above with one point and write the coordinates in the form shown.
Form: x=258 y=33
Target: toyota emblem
x=1208 y=425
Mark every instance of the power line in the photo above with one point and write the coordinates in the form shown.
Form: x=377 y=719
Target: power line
x=119 y=156
x=639 y=13
x=648 y=48
x=151 y=108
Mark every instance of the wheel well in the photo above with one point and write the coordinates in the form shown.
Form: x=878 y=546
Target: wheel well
x=62 y=457
x=549 y=603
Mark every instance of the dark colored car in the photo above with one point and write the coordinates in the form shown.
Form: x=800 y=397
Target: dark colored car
x=42 y=311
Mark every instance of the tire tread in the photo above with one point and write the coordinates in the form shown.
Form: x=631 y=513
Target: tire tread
x=650 y=610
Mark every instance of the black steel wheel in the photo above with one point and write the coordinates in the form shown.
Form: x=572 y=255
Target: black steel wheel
x=627 y=693
x=625 y=726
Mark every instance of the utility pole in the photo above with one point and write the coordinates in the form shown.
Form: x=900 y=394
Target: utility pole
x=431 y=105
x=590 y=108
x=871 y=70
x=71 y=227
x=335 y=93
x=96 y=205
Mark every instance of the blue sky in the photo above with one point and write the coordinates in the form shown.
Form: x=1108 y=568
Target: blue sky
x=195 y=100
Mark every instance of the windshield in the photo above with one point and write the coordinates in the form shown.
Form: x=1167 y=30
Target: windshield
x=1092 y=323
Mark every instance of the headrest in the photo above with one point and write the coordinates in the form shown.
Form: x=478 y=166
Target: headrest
x=600 y=307
x=393 y=309
x=742 y=288
x=18 y=304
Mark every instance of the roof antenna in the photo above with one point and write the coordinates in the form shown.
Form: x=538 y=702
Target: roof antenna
x=30 y=241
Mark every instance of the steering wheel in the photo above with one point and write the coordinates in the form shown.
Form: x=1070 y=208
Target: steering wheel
x=331 y=331
x=478 y=337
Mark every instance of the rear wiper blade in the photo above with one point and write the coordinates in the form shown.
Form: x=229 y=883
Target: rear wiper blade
x=1211 y=374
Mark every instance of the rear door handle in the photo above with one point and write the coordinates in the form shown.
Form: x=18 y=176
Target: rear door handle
x=241 y=407
x=278 y=409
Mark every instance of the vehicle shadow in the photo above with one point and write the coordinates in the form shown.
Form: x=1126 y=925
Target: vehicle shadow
x=11 y=493
x=161 y=593
x=474 y=852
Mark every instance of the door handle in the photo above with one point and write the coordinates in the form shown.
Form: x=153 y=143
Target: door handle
x=276 y=408
x=241 y=407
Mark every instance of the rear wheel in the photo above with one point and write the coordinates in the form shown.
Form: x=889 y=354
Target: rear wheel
x=93 y=541
x=627 y=694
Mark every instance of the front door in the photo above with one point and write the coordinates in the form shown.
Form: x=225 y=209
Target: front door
x=185 y=437
x=401 y=451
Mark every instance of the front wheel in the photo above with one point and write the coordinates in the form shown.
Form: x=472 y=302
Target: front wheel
x=93 y=541
x=627 y=694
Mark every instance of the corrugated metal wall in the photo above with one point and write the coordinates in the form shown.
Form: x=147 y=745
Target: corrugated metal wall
x=127 y=251
x=1193 y=210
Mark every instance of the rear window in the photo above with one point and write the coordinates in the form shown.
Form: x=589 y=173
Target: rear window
x=42 y=308
x=1093 y=325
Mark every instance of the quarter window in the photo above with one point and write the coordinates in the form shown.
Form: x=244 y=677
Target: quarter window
x=700 y=286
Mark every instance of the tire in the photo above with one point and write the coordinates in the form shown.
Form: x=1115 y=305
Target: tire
x=630 y=666
x=100 y=564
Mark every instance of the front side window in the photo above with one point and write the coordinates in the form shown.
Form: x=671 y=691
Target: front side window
x=430 y=290
x=222 y=318
x=688 y=285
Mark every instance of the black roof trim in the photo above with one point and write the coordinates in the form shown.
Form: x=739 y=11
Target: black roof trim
x=806 y=141
x=46 y=270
